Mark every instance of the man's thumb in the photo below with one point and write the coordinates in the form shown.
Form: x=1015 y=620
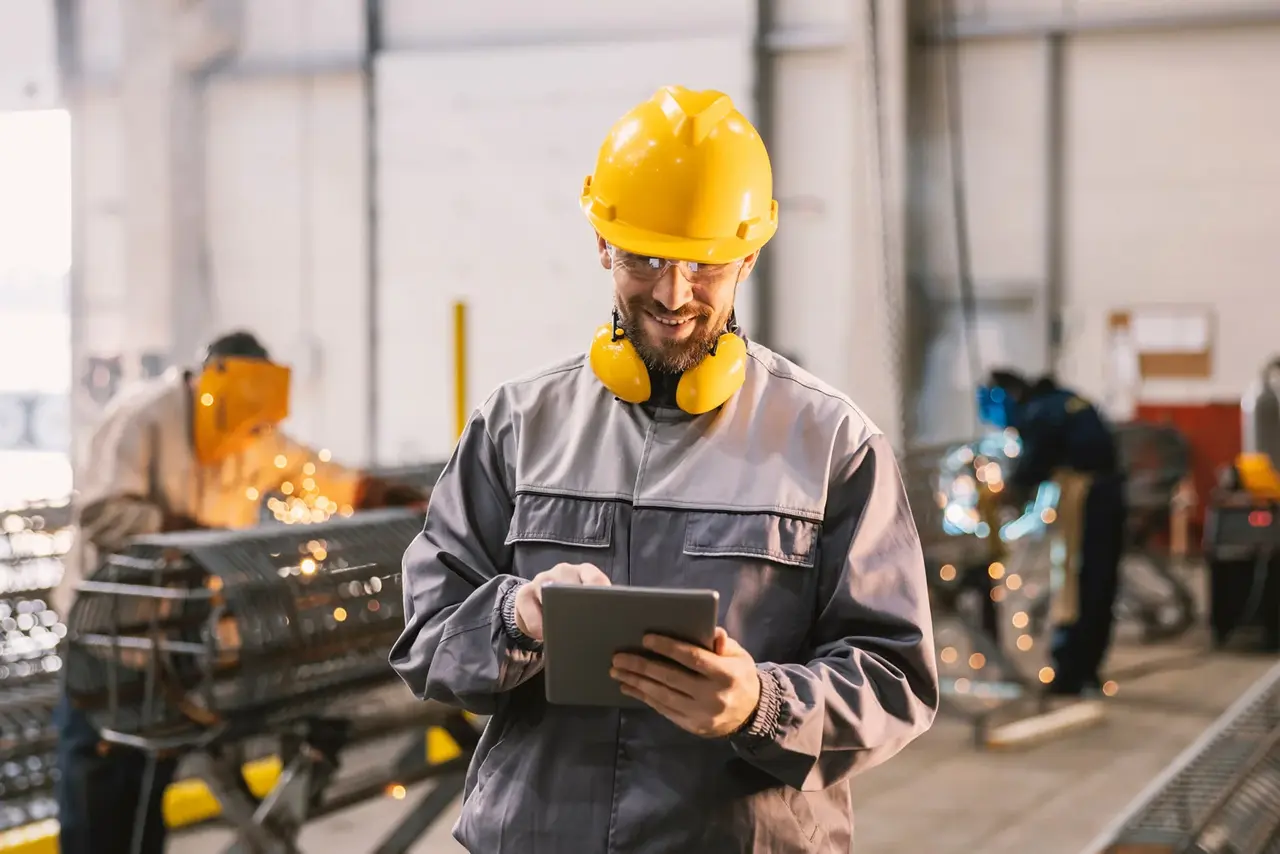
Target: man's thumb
x=721 y=642
x=592 y=574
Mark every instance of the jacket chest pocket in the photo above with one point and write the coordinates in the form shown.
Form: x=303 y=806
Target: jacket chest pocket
x=550 y=529
x=764 y=566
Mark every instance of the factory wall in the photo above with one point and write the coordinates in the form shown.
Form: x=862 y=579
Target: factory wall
x=486 y=131
x=485 y=134
x=293 y=214
x=1001 y=149
x=287 y=239
x=1169 y=197
x=484 y=126
x=1175 y=197
x=28 y=61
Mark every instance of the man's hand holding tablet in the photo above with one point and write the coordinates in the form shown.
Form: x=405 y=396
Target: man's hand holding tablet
x=529 y=597
x=636 y=646
x=708 y=692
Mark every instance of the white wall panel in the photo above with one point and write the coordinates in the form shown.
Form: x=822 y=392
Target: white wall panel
x=1002 y=105
x=812 y=13
x=28 y=56
x=481 y=160
x=415 y=24
x=838 y=274
x=1023 y=10
x=1170 y=7
x=102 y=266
x=101 y=319
x=283 y=32
x=815 y=305
x=1175 y=194
x=287 y=238
x=101 y=38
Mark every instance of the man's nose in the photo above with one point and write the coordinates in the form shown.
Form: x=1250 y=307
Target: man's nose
x=673 y=292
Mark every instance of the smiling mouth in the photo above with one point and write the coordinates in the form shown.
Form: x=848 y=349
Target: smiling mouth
x=673 y=322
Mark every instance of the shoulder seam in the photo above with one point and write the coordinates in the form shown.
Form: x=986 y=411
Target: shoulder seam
x=541 y=375
x=840 y=398
x=547 y=372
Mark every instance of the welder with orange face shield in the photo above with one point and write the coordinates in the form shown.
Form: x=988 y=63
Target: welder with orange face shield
x=189 y=449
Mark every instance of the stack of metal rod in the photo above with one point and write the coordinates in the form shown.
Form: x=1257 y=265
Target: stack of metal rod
x=28 y=764
x=33 y=540
x=199 y=642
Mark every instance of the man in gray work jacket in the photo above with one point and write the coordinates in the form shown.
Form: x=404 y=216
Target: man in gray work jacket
x=675 y=454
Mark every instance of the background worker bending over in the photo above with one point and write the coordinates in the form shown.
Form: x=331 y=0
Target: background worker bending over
x=189 y=449
x=1059 y=430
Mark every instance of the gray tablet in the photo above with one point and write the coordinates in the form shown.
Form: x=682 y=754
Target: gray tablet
x=583 y=626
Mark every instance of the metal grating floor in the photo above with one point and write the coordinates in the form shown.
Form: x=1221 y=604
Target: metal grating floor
x=1225 y=789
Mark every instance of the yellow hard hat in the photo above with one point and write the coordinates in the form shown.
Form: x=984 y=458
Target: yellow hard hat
x=685 y=176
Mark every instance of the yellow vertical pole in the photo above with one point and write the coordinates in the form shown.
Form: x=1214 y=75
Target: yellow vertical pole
x=459 y=367
x=441 y=747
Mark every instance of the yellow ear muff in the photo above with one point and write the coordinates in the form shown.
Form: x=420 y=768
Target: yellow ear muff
x=618 y=366
x=701 y=389
x=716 y=378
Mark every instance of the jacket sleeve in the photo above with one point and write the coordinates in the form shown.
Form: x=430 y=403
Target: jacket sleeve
x=117 y=498
x=871 y=686
x=460 y=645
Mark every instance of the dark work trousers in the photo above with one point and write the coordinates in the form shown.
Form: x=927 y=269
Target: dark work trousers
x=99 y=791
x=1080 y=648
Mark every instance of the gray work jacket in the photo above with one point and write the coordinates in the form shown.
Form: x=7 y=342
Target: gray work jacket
x=786 y=500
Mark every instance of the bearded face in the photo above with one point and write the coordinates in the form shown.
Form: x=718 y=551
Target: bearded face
x=667 y=341
x=672 y=312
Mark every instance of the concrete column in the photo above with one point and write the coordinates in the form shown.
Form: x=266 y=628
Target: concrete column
x=878 y=347
x=839 y=159
x=167 y=46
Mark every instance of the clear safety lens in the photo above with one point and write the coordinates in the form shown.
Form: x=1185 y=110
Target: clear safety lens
x=648 y=268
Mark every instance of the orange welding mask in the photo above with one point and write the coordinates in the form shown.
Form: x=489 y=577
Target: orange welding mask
x=236 y=399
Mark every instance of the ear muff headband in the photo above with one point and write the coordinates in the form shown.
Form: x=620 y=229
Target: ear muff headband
x=701 y=389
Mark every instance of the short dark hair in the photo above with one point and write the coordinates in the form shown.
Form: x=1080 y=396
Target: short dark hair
x=1019 y=387
x=238 y=344
x=1013 y=383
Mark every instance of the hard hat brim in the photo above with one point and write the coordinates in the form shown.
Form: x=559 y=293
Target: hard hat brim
x=714 y=250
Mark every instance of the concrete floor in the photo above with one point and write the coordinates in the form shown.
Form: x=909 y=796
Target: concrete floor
x=940 y=795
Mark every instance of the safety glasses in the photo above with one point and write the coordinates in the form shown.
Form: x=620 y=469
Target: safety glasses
x=647 y=268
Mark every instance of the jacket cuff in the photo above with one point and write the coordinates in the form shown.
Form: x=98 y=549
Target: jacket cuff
x=765 y=722
x=507 y=611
